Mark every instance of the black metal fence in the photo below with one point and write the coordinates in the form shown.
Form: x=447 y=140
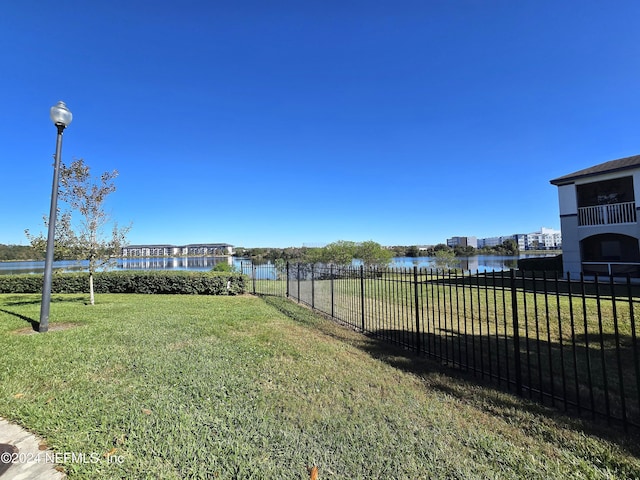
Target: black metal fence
x=570 y=343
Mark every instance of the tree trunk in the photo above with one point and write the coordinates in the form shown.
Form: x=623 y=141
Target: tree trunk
x=91 y=298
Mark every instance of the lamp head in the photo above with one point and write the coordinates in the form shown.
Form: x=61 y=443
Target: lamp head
x=60 y=115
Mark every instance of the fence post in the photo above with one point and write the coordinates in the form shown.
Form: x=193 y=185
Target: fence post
x=516 y=333
x=362 y=295
x=298 y=275
x=417 y=305
x=332 y=299
x=253 y=275
x=623 y=403
x=313 y=293
x=287 y=280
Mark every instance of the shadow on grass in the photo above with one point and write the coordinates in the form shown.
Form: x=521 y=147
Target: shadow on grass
x=500 y=401
x=35 y=299
x=459 y=384
x=28 y=299
x=35 y=325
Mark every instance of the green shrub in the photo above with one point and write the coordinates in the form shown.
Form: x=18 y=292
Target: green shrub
x=20 y=283
x=151 y=282
x=223 y=267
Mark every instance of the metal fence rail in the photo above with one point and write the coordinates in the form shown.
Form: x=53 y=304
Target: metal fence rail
x=569 y=343
x=264 y=279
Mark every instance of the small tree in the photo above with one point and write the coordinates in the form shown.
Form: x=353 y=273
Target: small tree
x=87 y=195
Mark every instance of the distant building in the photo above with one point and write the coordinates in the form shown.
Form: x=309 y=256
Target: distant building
x=545 y=239
x=599 y=219
x=215 y=249
x=462 y=242
x=494 y=241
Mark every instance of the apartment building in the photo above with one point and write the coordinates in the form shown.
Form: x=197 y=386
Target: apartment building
x=599 y=218
x=545 y=239
x=163 y=250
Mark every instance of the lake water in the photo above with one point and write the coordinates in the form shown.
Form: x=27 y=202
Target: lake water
x=165 y=263
x=480 y=263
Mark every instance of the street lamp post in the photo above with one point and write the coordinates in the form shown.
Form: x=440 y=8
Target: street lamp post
x=61 y=117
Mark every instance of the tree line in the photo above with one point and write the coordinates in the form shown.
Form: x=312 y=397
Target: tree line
x=342 y=252
x=302 y=254
x=19 y=252
x=370 y=253
x=508 y=247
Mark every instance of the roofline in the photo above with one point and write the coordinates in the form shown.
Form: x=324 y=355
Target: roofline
x=145 y=245
x=619 y=165
x=571 y=179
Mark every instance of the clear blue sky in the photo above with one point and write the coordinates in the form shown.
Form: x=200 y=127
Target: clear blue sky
x=282 y=123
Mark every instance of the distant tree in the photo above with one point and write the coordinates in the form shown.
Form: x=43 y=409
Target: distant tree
x=88 y=240
x=444 y=260
x=413 y=251
x=464 y=251
x=287 y=254
x=241 y=252
x=373 y=254
x=398 y=250
x=18 y=252
x=340 y=253
x=312 y=255
x=280 y=265
x=510 y=247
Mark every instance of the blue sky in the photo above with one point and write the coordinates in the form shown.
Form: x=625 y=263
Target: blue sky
x=283 y=123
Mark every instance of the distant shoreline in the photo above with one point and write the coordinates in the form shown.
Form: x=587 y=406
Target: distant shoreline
x=524 y=252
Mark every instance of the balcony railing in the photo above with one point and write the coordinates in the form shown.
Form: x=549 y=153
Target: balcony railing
x=614 y=213
x=615 y=269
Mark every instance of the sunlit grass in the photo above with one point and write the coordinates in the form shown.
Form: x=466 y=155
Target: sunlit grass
x=238 y=387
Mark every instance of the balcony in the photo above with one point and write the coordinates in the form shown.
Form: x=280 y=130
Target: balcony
x=610 y=214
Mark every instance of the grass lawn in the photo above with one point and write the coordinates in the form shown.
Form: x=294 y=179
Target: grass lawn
x=241 y=387
x=572 y=347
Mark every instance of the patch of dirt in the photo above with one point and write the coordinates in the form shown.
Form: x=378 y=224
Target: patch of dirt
x=54 y=327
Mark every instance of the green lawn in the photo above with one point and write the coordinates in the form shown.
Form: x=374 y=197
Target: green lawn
x=570 y=346
x=240 y=387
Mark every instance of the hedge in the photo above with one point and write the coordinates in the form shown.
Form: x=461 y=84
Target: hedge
x=152 y=282
x=541 y=264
